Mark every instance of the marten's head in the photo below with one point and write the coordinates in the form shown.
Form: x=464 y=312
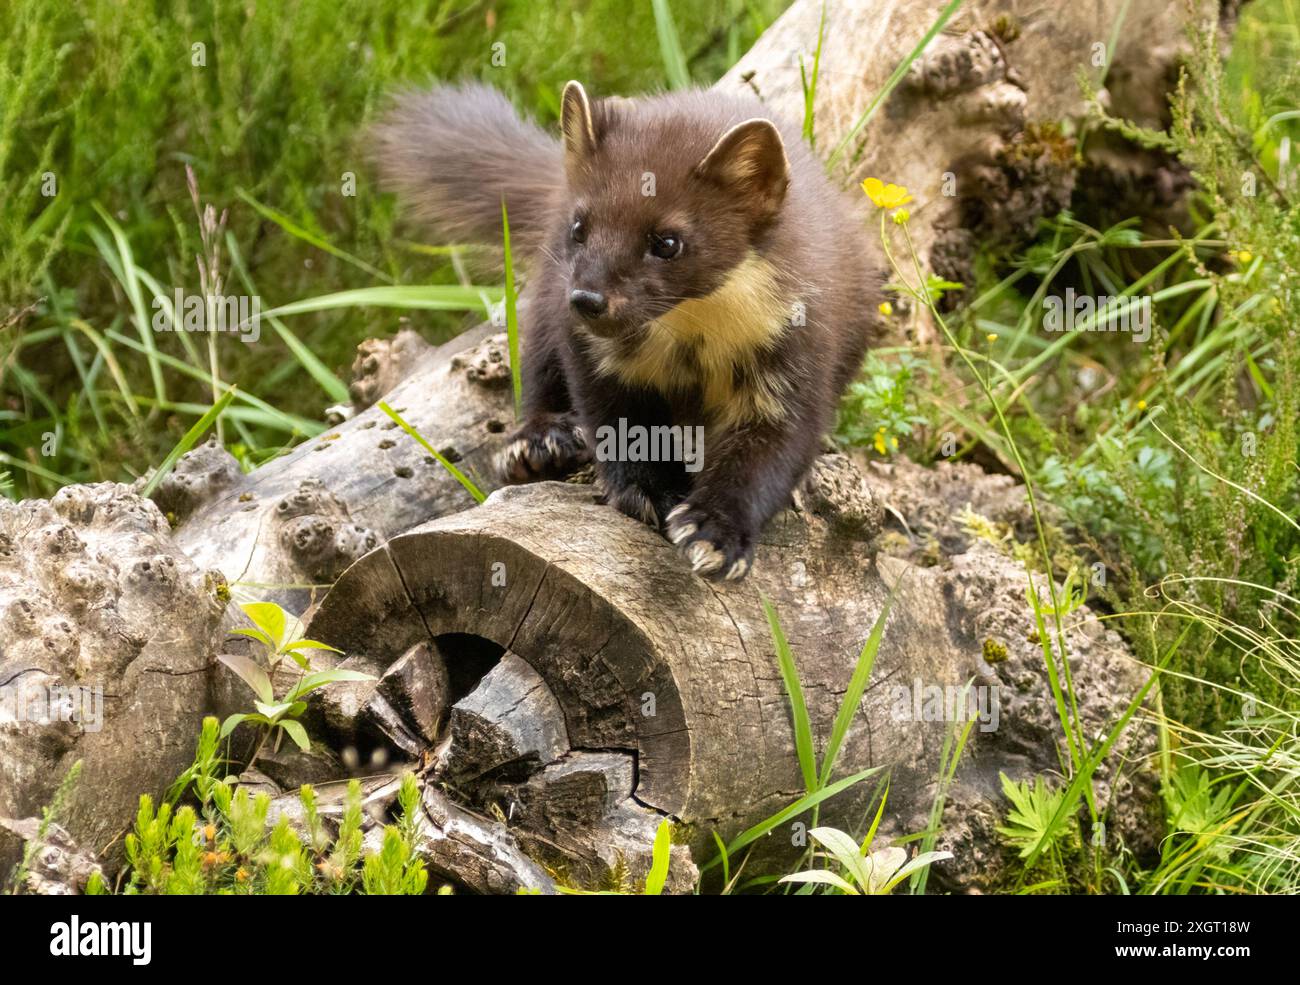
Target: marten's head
x=667 y=200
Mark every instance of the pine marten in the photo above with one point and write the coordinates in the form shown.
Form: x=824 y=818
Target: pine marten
x=689 y=265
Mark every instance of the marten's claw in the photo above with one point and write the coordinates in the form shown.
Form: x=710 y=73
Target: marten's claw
x=547 y=447
x=712 y=545
x=650 y=508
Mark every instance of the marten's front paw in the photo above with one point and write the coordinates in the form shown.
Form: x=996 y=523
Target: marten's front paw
x=546 y=447
x=715 y=545
x=641 y=504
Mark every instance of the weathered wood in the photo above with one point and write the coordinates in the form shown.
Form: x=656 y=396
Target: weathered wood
x=474 y=851
x=510 y=722
x=579 y=815
x=400 y=707
x=972 y=129
x=106 y=637
x=644 y=658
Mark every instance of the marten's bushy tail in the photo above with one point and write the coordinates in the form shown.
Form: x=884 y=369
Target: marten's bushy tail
x=452 y=153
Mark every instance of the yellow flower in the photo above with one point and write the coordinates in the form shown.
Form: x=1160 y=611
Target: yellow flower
x=1142 y=405
x=991 y=338
x=1244 y=257
x=901 y=216
x=880 y=443
x=885 y=196
x=894 y=443
x=886 y=308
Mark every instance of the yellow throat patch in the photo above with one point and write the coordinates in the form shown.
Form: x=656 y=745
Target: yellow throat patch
x=713 y=343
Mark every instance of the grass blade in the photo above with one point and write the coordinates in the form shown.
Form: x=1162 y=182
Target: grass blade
x=857 y=687
x=333 y=387
x=670 y=46
x=188 y=441
x=803 y=736
x=810 y=86
x=433 y=297
x=297 y=231
x=792 y=810
x=512 y=316
x=892 y=82
x=456 y=473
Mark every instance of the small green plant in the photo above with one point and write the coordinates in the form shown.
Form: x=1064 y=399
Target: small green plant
x=396 y=870
x=1029 y=821
x=280 y=637
x=861 y=872
x=619 y=881
x=817 y=780
x=49 y=815
x=810 y=84
x=879 y=408
x=224 y=843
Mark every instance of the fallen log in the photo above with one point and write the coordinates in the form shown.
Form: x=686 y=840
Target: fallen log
x=642 y=658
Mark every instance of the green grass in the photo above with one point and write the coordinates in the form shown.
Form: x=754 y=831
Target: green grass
x=107 y=100
x=1171 y=465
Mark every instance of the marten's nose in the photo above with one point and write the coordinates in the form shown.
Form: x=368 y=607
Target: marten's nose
x=589 y=304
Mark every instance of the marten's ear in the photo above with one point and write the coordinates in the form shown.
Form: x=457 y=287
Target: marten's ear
x=749 y=162
x=576 y=123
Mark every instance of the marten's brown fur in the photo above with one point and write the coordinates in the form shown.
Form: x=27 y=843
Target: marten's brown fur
x=689 y=264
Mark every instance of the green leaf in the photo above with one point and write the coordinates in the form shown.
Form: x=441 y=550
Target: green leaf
x=297 y=733
x=791 y=810
x=456 y=473
x=661 y=855
x=319 y=679
x=844 y=850
x=293 y=229
x=250 y=673
x=273 y=711
x=268 y=617
x=922 y=860
x=230 y=724
x=857 y=686
x=823 y=878
x=670 y=46
x=311 y=645
x=254 y=633
x=435 y=297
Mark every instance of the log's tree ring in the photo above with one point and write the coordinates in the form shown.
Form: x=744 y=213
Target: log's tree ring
x=615 y=688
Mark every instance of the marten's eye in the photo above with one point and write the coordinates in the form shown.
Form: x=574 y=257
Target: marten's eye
x=578 y=231
x=665 y=246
